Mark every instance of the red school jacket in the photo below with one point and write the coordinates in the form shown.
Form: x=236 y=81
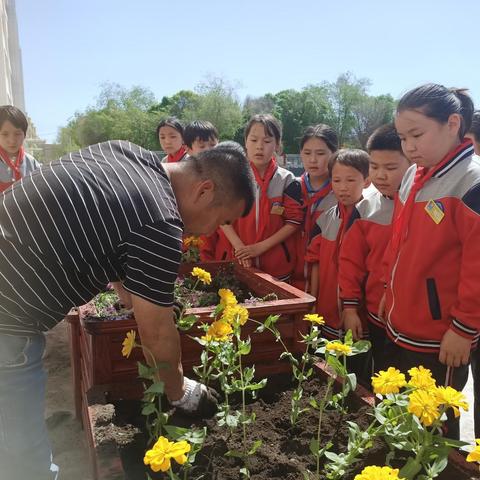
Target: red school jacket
x=434 y=276
x=327 y=237
x=314 y=204
x=285 y=206
x=215 y=247
x=361 y=275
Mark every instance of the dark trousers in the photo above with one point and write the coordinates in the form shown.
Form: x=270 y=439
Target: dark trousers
x=404 y=360
x=475 y=364
x=378 y=339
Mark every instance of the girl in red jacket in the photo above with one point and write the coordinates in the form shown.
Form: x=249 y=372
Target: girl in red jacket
x=432 y=302
x=170 y=136
x=264 y=238
x=318 y=144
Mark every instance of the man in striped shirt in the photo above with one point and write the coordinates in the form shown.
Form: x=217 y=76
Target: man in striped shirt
x=110 y=212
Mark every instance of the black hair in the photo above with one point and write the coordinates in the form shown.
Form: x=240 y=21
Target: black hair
x=201 y=129
x=227 y=166
x=15 y=116
x=351 y=157
x=323 y=132
x=475 y=126
x=272 y=126
x=173 y=122
x=385 y=138
x=439 y=102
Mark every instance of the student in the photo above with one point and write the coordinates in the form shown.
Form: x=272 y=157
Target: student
x=318 y=144
x=348 y=170
x=360 y=275
x=170 y=136
x=474 y=135
x=15 y=163
x=264 y=238
x=432 y=302
x=199 y=135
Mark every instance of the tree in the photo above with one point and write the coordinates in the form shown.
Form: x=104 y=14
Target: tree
x=219 y=104
x=371 y=113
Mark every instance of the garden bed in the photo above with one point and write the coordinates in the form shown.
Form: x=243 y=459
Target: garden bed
x=119 y=441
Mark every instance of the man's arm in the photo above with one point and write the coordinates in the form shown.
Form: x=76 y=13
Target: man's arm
x=159 y=334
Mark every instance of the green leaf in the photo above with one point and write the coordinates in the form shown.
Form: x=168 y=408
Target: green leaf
x=144 y=371
x=234 y=453
x=256 y=445
x=245 y=472
x=352 y=380
x=361 y=346
x=157 y=387
x=314 y=446
x=148 y=409
x=244 y=347
x=187 y=322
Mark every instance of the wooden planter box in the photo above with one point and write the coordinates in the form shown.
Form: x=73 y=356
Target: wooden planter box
x=106 y=460
x=97 y=345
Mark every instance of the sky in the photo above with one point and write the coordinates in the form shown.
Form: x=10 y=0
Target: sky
x=70 y=48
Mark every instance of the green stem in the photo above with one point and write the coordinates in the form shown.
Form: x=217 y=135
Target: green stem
x=244 y=427
x=274 y=332
x=322 y=408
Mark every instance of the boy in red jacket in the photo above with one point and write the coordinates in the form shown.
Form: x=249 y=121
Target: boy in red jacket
x=348 y=170
x=360 y=275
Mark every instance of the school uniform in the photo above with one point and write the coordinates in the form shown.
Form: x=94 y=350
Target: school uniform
x=328 y=234
x=315 y=202
x=12 y=170
x=433 y=263
x=361 y=276
x=216 y=247
x=176 y=157
x=278 y=201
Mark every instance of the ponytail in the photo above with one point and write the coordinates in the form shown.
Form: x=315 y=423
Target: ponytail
x=438 y=102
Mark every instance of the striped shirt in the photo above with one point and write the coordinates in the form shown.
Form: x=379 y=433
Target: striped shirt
x=104 y=213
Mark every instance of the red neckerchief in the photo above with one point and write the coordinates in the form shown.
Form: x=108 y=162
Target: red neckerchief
x=14 y=166
x=308 y=201
x=402 y=219
x=177 y=156
x=264 y=207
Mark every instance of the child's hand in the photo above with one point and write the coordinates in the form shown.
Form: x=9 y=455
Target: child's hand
x=249 y=251
x=351 y=321
x=381 y=308
x=246 y=263
x=454 y=349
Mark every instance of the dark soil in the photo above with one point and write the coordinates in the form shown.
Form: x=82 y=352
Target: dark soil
x=284 y=453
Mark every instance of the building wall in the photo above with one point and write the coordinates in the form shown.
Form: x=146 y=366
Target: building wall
x=11 y=73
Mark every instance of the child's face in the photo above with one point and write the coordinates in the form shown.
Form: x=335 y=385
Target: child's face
x=170 y=140
x=259 y=145
x=476 y=144
x=347 y=184
x=424 y=140
x=199 y=145
x=315 y=155
x=387 y=168
x=11 y=137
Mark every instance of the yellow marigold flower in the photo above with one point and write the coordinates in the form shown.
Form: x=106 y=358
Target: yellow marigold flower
x=389 y=381
x=218 y=331
x=192 y=242
x=314 y=318
x=474 y=455
x=421 y=378
x=129 y=343
x=424 y=406
x=338 y=348
x=451 y=398
x=158 y=457
x=378 y=473
x=235 y=314
x=227 y=298
x=202 y=275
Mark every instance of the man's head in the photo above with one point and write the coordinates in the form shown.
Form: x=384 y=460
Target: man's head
x=474 y=132
x=213 y=188
x=348 y=170
x=13 y=128
x=199 y=135
x=388 y=164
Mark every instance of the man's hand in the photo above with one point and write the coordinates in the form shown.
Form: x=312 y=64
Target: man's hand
x=351 y=321
x=454 y=349
x=198 y=400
